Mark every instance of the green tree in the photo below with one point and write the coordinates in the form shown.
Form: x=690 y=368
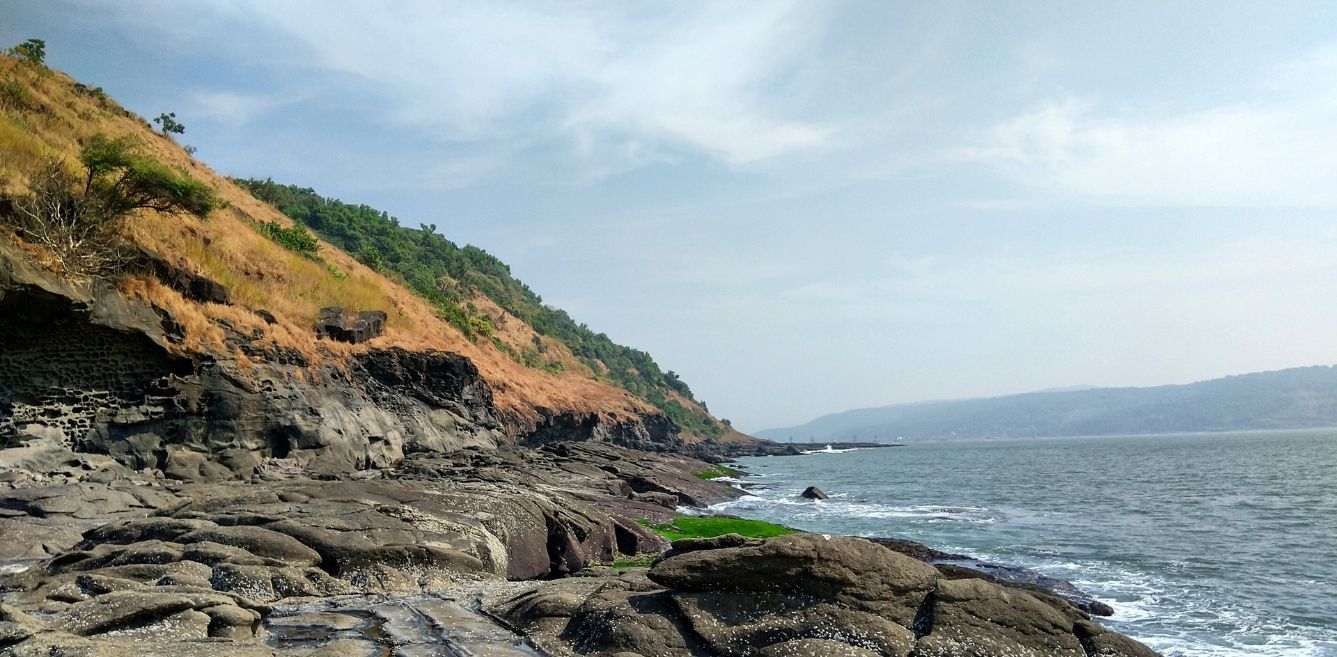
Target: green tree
x=167 y=121
x=119 y=182
x=77 y=218
x=371 y=257
x=32 y=51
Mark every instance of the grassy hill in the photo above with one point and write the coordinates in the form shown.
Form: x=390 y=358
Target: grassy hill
x=463 y=282
x=1298 y=398
x=436 y=295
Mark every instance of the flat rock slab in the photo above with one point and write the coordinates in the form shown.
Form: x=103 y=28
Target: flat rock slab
x=421 y=627
x=413 y=626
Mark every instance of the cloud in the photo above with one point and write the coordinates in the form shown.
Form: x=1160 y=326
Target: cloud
x=1277 y=148
x=232 y=109
x=649 y=79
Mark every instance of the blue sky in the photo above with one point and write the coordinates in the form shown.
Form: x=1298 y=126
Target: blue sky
x=804 y=207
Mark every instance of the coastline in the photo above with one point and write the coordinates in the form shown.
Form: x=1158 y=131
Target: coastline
x=518 y=535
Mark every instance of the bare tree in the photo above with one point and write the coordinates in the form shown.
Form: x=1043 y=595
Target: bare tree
x=78 y=219
x=80 y=241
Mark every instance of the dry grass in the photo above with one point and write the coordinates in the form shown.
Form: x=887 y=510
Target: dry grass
x=263 y=276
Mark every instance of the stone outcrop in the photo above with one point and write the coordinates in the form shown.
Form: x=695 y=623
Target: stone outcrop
x=353 y=328
x=178 y=561
x=803 y=595
x=191 y=285
x=92 y=369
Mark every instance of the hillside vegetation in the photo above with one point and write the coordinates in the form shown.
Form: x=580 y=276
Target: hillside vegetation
x=1297 y=398
x=452 y=277
x=435 y=295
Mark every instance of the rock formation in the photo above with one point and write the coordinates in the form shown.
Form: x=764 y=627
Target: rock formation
x=803 y=595
x=93 y=369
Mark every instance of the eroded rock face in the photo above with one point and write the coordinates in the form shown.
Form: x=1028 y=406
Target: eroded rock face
x=177 y=562
x=805 y=595
x=92 y=370
x=76 y=365
x=189 y=284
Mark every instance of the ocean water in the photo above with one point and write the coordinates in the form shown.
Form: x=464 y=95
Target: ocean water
x=1205 y=545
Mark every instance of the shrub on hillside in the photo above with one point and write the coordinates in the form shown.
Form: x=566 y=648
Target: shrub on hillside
x=297 y=239
x=77 y=218
x=447 y=274
x=14 y=95
x=32 y=51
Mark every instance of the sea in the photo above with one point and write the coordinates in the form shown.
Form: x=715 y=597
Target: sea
x=1206 y=545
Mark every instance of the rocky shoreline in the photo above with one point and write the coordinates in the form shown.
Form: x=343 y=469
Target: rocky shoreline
x=502 y=551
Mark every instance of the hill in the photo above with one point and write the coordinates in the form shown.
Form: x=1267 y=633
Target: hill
x=249 y=345
x=1286 y=399
x=476 y=293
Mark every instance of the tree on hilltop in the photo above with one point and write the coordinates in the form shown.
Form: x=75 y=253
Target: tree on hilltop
x=167 y=121
x=32 y=51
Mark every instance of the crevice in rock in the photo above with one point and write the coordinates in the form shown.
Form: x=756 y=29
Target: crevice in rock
x=1085 y=638
x=923 y=623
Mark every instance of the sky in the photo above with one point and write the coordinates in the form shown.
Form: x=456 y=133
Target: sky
x=803 y=207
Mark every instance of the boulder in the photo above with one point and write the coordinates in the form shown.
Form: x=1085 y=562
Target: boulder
x=614 y=621
x=228 y=621
x=666 y=500
x=973 y=617
x=26 y=537
x=118 y=610
x=82 y=501
x=733 y=624
x=1099 y=642
x=15 y=626
x=844 y=570
x=135 y=530
x=190 y=285
x=355 y=328
x=685 y=545
x=258 y=541
x=813 y=493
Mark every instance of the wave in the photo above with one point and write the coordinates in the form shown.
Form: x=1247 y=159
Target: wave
x=829 y=450
x=1153 y=607
x=838 y=506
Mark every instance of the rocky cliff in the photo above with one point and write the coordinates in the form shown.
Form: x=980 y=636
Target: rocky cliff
x=93 y=368
x=217 y=345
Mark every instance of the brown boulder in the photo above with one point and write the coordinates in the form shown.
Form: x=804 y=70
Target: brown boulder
x=849 y=571
x=973 y=617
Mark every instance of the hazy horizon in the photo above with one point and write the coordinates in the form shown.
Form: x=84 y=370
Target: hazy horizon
x=804 y=208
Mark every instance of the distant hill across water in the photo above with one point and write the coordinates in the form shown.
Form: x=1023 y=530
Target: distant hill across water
x=1298 y=398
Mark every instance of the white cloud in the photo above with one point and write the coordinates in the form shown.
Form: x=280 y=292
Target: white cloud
x=1276 y=148
x=232 y=109
x=651 y=80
